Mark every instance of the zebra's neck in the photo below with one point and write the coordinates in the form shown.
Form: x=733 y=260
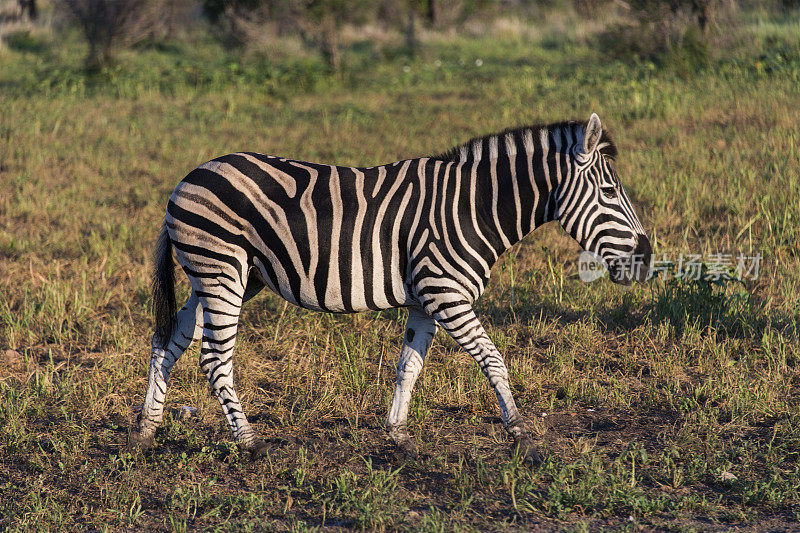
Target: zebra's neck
x=518 y=173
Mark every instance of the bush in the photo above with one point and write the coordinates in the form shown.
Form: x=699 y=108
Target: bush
x=691 y=54
x=674 y=32
x=107 y=24
x=24 y=41
x=240 y=23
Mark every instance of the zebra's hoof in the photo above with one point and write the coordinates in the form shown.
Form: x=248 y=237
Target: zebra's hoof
x=406 y=450
x=405 y=447
x=137 y=441
x=524 y=448
x=258 y=450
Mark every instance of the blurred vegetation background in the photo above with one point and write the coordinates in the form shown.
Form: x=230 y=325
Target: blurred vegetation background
x=334 y=31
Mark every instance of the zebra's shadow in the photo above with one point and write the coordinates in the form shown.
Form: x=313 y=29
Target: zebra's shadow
x=608 y=319
x=708 y=311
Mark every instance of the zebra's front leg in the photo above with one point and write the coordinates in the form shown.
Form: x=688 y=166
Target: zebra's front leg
x=162 y=359
x=220 y=325
x=459 y=320
x=420 y=329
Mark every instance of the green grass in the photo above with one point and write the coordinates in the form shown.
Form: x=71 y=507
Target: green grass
x=642 y=398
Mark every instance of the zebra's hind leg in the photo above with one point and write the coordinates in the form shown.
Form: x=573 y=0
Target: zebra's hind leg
x=162 y=360
x=459 y=320
x=220 y=325
x=420 y=329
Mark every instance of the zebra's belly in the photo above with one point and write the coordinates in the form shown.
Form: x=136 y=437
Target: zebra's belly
x=336 y=294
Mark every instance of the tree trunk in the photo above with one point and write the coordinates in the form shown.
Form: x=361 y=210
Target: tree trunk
x=411 y=32
x=330 y=42
x=434 y=14
x=704 y=14
x=29 y=8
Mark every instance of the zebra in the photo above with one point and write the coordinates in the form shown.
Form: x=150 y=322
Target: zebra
x=419 y=233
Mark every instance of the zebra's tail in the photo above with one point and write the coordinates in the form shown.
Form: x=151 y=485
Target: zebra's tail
x=164 y=306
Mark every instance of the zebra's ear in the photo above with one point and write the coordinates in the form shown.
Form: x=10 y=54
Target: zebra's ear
x=591 y=137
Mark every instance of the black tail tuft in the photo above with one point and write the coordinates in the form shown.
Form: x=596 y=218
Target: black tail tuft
x=164 y=306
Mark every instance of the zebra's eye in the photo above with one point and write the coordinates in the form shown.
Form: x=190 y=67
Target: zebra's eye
x=609 y=192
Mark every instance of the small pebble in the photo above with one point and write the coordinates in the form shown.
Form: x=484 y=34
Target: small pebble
x=11 y=355
x=186 y=411
x=13 y=359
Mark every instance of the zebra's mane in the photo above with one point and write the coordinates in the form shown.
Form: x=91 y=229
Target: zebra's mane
x=479 y=145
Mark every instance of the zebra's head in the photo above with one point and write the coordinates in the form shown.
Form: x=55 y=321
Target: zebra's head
x=595 y=210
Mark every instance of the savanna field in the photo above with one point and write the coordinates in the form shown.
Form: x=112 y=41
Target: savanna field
x=671 y=405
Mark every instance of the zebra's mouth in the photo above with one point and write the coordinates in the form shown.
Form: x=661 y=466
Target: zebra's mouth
x=625 y=272
x=619 y=276
x=635 y=267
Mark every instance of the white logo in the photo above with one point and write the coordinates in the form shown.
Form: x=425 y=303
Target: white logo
x=590 y=267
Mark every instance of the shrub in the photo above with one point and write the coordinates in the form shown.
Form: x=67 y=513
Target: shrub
x=674 y=32
x=107 y=24
x=240 y=23
x=24 y=41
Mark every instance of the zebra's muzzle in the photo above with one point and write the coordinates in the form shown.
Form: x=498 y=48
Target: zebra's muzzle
x=635 y=267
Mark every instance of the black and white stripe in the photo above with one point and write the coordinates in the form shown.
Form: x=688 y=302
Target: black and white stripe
x=420 y=233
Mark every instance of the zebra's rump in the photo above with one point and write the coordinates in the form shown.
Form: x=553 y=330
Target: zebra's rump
x=323 y=237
